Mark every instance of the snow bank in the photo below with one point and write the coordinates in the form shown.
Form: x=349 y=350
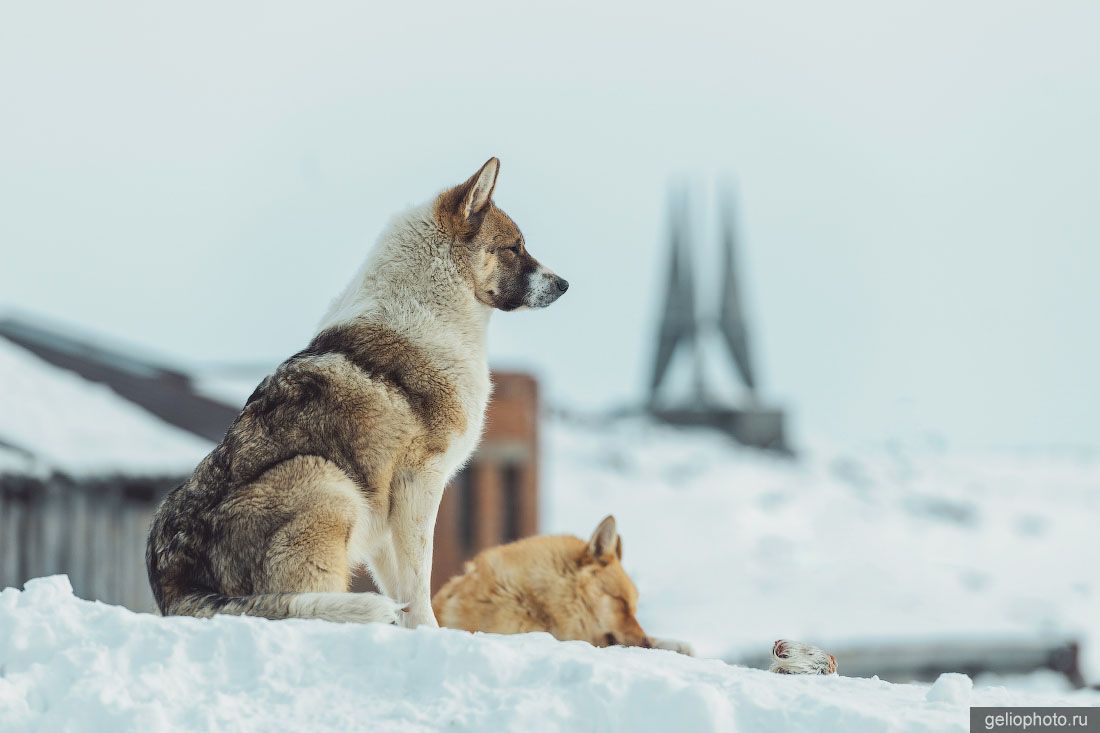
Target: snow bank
x=732 y=548
x=69 y=664
x=72 y=425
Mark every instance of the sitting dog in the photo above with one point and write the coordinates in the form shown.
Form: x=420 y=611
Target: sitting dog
x=339 y=458
x=569 y=588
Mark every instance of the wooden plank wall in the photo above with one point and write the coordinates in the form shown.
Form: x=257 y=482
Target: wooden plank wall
x=93 y=531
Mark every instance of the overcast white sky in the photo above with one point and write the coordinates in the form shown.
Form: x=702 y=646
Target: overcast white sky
x=919 y=184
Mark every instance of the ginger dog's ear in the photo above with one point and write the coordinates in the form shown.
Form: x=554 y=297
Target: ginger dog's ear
x=461 y=209
x=605 y=540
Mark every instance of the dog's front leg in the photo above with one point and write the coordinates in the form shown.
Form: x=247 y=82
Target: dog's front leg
x=672 y=645
x=412 y=531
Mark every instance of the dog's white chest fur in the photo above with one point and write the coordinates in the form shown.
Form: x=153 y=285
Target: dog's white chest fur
x=408 y=285
x=474 y=394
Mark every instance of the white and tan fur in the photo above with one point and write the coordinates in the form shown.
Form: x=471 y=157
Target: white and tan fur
x=795 y=657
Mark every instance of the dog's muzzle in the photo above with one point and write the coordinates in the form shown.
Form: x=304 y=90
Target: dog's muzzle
x=544 y=288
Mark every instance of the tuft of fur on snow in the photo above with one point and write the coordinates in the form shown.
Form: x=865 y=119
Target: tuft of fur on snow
x=794 y=657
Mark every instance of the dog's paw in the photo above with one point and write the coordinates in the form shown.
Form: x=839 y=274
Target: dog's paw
x=412 y=617
x=793 y=657
x=672 y=645
x=387 y=610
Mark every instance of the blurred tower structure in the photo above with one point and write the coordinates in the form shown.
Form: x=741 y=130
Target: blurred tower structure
x=683 y=330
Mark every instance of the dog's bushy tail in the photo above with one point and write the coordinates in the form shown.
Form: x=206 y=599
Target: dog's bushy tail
x=340 y=607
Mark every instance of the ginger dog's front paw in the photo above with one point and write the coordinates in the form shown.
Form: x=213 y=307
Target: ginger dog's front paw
x=794 y=657
x=672 y=645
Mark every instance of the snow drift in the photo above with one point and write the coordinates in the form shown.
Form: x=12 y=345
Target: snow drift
x=69 y=664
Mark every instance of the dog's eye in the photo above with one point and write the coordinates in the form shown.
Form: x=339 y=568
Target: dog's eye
x=514 y=249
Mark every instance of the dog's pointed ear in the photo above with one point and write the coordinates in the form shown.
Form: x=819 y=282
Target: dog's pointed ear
x=605 y=540
x=461 y=209
x=479 y=188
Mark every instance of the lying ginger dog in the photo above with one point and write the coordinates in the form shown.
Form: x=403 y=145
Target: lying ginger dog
x=572 y=589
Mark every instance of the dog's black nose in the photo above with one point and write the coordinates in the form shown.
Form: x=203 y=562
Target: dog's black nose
x=562 y=284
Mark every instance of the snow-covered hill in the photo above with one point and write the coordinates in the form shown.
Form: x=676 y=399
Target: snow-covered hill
x=73 y=665
x=732 y=548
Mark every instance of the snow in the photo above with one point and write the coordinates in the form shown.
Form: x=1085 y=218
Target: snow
x=951 y=687
x=75 y=665
x=232 y=389
x=733 y=548
x=79 y=427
